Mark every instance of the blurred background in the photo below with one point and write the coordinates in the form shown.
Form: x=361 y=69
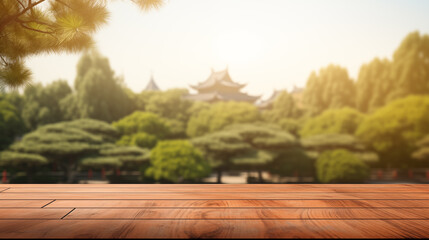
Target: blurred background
x=238 y=91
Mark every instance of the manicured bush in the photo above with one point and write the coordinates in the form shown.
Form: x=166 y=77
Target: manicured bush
x=341 y=166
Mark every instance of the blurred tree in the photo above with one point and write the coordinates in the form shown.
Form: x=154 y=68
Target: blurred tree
x=410 y=66
x=130 y=157
x=244 y=147
x=27 y=162
x=65 y=143
x=341 y=121
x=381 y=81
x=292 y=162
x=292 y=126
x=170 y=104
x=394 y=130
x=99 y=94
x=142 y=129
x=41 y=104
x=331 y=88
x=11 y=125
x=219 y=115
x=45 y=26
x=177 y=161
x=422 y=153
x=316 y=144
x=340 y=166
x=220 y=148
x=373 y=85
x=283 y=107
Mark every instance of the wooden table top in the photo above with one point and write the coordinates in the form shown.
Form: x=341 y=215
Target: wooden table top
x=214 y=211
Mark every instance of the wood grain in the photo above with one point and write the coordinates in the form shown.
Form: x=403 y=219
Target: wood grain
x=250 y=213
x=23 y=203
x=214 y=229
x=199 y=189
x=174 y=203
x=214 y=211
x=33 y=213
x=214 y=195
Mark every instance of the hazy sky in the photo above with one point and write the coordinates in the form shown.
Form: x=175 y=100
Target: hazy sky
x=268 y=44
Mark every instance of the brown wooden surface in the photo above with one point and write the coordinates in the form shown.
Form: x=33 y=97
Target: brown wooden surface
x=214 y=211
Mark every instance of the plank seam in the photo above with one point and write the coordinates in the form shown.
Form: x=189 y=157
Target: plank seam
x=68 y=213
x=48 y=203
x=4 y=189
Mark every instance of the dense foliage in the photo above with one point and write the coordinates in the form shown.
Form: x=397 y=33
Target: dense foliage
x=340 y=166
x=177 y=161
x=330 y=88
x=341 y=121
x=394 y=129
x=219 y=115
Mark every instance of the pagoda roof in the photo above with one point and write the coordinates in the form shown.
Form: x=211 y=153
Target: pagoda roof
x=267 y=103
x=221 y=78
x=217 y=96
x=151 y=86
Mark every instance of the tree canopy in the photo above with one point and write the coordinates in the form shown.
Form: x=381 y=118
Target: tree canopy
x=45 y=26
x=11 y=124
x=99 y=94
x=219 y=115
x=340 y=121
x=330 y=88
x=65 y=143
x=177 y=161
x=283 y=107
x=394 y=129
x=340 y=166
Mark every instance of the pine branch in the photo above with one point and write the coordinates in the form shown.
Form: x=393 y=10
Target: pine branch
x=36 y=30
x=12 y=18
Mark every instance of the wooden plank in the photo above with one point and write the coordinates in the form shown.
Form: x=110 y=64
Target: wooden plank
x=251 y=213
x=214 y=195
x=220 y=186
x=74 y=189
x=38 y=213
x=214 y=229
x=329 y=203
x=23 y=203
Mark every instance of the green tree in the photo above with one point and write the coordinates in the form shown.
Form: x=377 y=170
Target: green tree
x=27 y=162
x=394 y=130
x=99 y=94
x=142 y=129
x=422 y=153
x=33 y=27
x=283 y=107
x=11 y=124
x=341 y=121
x=66 y=143
x=373 y=85
x=177 y=161
x=410 y=66
x=331 y=88
x=41 y=104
x=244 y=147
x=340 y=166
x=219 y=115
x=317 y=144
x=293 y=162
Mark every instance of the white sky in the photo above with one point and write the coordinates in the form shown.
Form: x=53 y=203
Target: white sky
x=268 y=44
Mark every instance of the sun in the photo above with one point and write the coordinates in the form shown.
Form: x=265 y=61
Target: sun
x=237 y=47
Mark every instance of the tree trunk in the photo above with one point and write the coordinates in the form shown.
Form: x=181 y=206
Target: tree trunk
x=261 y=180
x=69 y=172
x=219 y=176
x=30 y=176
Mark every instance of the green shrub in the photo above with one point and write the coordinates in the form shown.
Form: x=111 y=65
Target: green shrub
x=340 y=166
x=177 y=161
